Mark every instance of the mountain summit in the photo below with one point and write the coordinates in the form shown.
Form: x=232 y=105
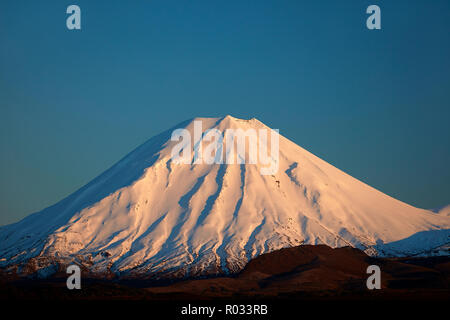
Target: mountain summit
x=149 y=216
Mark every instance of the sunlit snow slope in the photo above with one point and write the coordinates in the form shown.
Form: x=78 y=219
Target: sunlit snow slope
x=147 y=215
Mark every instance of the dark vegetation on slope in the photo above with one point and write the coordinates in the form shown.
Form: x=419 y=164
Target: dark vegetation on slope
x=305 y=272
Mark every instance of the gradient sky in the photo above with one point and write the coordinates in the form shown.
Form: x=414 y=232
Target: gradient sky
x=375 y=104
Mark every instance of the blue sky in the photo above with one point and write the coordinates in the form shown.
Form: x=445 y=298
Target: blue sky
x=375 y=104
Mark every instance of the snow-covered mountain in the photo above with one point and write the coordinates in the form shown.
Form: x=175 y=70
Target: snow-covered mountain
x=147 y=215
